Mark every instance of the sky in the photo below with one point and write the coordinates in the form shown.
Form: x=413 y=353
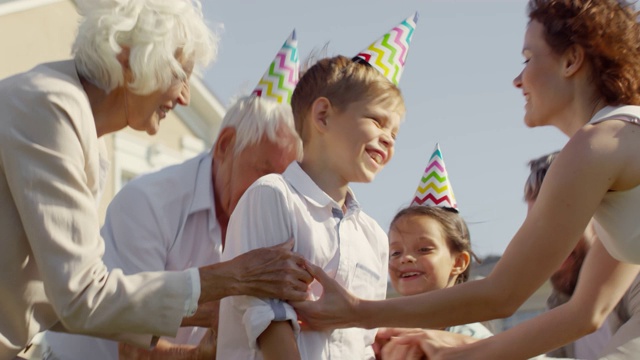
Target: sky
x=457 y=87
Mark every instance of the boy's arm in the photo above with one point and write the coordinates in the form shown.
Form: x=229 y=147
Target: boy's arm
x=262 y=218
x=278 y=342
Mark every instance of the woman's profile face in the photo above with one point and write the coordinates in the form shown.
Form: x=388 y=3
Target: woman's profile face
x=146 y=111
x=544 y=88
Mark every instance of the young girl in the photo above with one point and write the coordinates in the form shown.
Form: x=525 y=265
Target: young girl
x=430 y=249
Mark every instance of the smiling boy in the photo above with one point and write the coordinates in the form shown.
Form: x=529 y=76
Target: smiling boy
x=347 y=114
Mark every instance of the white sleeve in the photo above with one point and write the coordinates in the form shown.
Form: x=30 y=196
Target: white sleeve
x=262 y=218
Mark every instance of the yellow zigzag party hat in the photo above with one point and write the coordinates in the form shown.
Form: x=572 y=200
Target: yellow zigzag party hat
x=434 y=188
x=388 y=54
x=281 y=77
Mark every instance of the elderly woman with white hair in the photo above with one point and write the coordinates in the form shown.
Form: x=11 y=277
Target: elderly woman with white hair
x=132 y=62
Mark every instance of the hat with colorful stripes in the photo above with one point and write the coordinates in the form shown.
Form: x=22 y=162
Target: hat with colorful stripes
x=281 y=77
x=388 y=54
x=434 y=188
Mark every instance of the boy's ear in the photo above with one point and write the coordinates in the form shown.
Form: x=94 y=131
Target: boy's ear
x=461 y=263
x=573 y=59
x=225 y=144
x=320 y=112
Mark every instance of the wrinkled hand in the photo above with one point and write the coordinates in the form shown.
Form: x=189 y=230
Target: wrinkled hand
x=335 y=309
x=273 y=272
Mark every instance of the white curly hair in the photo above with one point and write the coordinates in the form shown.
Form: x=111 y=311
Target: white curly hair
x=154 y=31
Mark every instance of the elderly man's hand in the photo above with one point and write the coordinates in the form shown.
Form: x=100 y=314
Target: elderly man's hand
x=165 y=350
x=273 y=272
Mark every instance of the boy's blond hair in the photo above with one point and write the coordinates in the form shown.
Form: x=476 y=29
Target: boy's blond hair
x=343 y=82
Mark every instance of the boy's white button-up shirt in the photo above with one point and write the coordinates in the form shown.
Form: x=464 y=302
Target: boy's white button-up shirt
x=349 y=246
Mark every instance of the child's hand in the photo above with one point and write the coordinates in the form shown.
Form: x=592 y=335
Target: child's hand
x=335 y=308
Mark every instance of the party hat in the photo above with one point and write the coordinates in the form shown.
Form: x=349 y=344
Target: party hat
x=434 y=188
x=281 y=77
x=389 y=53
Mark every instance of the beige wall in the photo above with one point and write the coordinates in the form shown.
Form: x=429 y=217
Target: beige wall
x=35 y=35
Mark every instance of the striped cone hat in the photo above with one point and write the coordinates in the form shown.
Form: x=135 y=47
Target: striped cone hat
x=389 y=53
x=434 y=188
x=281 y=77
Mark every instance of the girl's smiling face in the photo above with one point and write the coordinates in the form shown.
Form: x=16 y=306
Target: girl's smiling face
x=420 y=259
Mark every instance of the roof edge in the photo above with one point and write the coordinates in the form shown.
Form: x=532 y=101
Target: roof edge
x=22 y=5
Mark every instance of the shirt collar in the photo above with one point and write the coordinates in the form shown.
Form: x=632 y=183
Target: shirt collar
x=304 y=185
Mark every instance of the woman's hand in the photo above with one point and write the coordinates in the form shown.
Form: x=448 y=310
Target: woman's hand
x=336 y=308
x=422 y=344
x=387 y=346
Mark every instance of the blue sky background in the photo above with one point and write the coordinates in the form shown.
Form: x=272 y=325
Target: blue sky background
x=457 y=86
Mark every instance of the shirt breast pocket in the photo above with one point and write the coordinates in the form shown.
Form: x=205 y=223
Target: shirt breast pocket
x=366 y=282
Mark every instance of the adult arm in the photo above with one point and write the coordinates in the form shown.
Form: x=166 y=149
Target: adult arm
x=603 y=280
x=576 y=183
x=625 y=339
x=138 y=240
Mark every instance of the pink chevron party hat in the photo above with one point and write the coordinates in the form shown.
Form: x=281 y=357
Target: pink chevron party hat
x=281 y=77
x=389 y=53
x=434 y=188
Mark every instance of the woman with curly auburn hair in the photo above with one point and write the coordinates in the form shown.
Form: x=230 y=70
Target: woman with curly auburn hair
x=581 y=75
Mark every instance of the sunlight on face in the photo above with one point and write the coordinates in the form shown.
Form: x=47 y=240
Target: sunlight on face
x=419 y=257
x=361 y=139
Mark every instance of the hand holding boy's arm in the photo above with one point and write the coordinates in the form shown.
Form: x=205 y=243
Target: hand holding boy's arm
x=278 y=342
x=336 y=309
x=272 y=272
